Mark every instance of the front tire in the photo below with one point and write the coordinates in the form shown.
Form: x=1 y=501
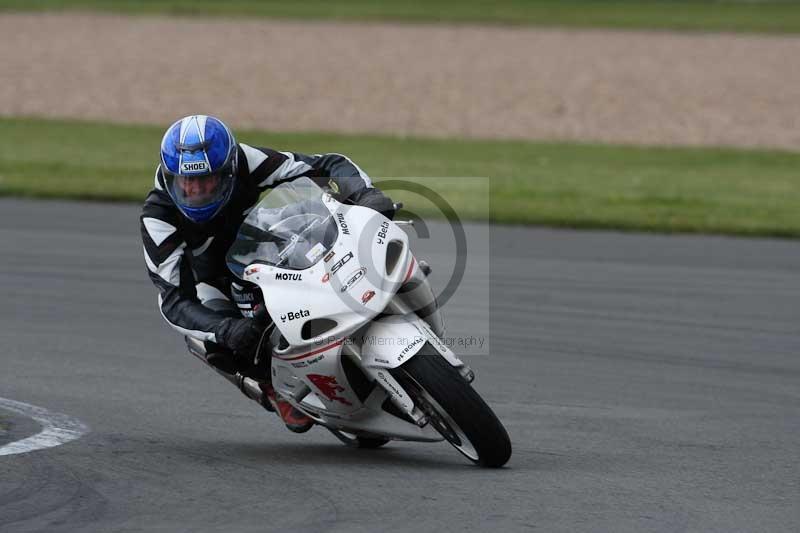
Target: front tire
x=455 y=409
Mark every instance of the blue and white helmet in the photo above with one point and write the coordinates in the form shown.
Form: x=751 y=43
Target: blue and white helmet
x=198 y=162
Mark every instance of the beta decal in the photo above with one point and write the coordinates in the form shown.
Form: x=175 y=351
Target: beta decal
x=196 y=166
x=367 y=296
x=342 y=223
x=328 y=386
x=382 y=232
x=342 y=262
x=302 y=313
x=284 y=276
x=354 y=278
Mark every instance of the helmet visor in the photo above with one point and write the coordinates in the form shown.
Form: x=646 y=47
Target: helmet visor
x=198 y=191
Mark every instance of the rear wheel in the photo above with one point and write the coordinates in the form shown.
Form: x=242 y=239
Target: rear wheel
x=455 y=409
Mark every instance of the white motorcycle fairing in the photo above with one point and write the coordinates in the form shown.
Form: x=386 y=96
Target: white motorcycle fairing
x=353 y=283
x=328 y=329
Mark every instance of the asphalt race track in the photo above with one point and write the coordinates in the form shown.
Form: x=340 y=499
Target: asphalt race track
x=649 y=383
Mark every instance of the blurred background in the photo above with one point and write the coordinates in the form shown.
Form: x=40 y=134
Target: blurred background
x=648 y=115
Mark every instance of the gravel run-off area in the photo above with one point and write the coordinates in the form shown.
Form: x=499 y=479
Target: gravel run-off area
x=440 y=81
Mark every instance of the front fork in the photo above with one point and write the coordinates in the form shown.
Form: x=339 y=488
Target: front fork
x=397 y=394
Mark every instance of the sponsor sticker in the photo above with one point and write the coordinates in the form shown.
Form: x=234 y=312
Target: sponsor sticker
x=354 y=278
x=285 y=276
x=194 y=166
x=386 y=380
x=313 y=254
x=410 y=347
x=326 y=278
x=329 y=256
x=308 y=362
x=302 y=313
x=382 y=232
x=367 y=296
x=342 y=262
x=343 y=223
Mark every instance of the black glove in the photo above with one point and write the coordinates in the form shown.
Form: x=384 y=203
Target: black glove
x=375 y=199
x=240 y=335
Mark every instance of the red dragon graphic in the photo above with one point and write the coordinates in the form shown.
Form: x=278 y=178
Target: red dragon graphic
x=328 y=386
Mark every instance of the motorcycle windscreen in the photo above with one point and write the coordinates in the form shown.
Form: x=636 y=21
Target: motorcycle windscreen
x=290 y=228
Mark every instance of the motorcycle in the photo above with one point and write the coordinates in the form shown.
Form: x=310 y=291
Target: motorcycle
x=357 y=338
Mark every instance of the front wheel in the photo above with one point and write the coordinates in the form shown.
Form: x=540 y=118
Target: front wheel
x=455 y=409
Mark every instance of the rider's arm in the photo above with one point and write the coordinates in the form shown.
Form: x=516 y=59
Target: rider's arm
x=170 y=272
x=350 y=183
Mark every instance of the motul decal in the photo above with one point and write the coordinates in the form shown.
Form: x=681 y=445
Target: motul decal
x=328 y=386
x=285 y=276
x=343 y=223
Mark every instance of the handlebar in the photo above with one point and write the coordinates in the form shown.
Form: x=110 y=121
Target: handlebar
x=397 y=207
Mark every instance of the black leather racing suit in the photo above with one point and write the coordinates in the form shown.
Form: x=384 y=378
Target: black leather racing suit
x=186 y=261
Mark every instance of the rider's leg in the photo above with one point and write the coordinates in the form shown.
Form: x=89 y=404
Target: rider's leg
x=222 y=359
x=253 y=377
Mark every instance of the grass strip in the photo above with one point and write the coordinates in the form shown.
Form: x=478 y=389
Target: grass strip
x=773 y=16
x=727 y=191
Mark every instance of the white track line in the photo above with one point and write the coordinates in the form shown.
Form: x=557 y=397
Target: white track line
x=57 y=428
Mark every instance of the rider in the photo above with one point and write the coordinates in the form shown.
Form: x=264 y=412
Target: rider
x=205 y=185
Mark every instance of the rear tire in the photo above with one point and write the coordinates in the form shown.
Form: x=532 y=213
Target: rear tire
x=456 y=410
